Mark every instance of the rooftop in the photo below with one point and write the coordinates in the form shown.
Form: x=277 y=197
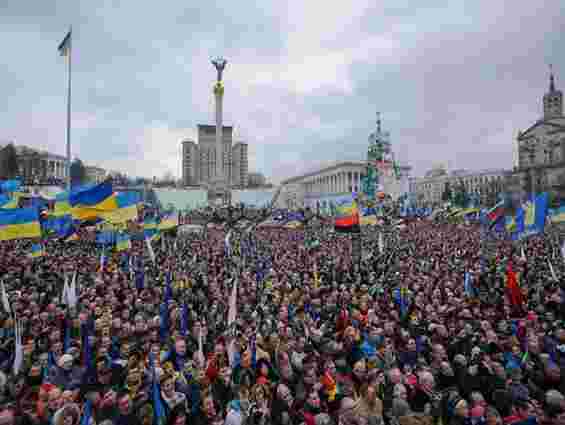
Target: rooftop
x=327 y=168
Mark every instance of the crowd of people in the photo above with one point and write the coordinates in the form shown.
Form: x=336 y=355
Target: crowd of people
x=422 y=331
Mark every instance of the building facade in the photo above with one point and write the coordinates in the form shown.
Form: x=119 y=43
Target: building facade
x=39 y=166
x=189 y=163
x=336 y=180
x=199 y=159
x=541 y=149
x=256 y=179
x=340 y=178
x=94 y=174
x=486 y=184
x=240 y=172
x=207 y=152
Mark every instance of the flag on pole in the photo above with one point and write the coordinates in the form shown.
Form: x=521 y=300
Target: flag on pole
x=553 y=275
x=19 y=350
x=227 y=244
x=72 y=292
x=150 y=249
x=232 y=311
x=513 y=289
x=65 y=297
x=102 y=260
x=381 y=243
x=36 y=250
x=65 y=46
x=468 y=285
x=5 y=299
x=200 y=355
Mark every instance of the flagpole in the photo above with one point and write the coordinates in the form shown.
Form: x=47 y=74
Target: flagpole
x=69 y=114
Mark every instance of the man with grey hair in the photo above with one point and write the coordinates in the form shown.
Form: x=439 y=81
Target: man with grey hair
x=425 y=400
x=553 y=407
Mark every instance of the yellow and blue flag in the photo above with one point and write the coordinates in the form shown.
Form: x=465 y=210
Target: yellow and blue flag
x=12 y=202
x=557 y=215
x=92 y=202
x=36 y=250
x=73 y=237
x=150 y=228
x=19 y=223
x=123 y=242
x=127 y=204
x=10 y=186
x=4 y=199
x=169 y=221
x=91 y=196
x=531 y=217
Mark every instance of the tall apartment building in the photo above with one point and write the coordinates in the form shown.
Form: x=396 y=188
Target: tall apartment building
x=190 y=162
x=199 y=160
x=207 y=152
x=240 y=170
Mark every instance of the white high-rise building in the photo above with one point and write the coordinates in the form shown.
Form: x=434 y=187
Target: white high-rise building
x=239 y=165
x=199 y=159
x=189 y=163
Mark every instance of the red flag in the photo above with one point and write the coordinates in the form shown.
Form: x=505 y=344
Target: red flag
x=514 y=293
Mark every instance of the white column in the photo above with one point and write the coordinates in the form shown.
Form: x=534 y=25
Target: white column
x=219 y=147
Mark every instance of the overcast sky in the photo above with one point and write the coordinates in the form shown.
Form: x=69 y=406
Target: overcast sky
x=454 y=80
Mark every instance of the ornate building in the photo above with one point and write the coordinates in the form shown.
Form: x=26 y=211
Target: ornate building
x=541 y=149
x=380 y=172
x=484 y=185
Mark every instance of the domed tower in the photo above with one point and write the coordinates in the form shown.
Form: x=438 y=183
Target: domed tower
x=552 y=100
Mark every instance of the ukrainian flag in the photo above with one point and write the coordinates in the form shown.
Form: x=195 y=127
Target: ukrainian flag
x=123 y=242
x=93 y=202
x=13 y=202
x=126 y=209
x=531 y=219
x=529 y=213
x=91 y=196
x=150 y=228
x=37 y=250
x=62 y=208
x=558 y=215
x=169 y=221
x=73 y=237
x=4 y=199
x=19 y=223
x=510 y=224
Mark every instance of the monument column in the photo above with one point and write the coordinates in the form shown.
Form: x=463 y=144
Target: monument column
x=218 y=91
x=219 y=179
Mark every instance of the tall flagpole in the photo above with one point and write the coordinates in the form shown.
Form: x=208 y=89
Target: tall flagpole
x=69 y=114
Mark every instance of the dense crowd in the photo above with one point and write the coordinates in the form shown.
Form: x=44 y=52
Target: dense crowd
x=401 y=338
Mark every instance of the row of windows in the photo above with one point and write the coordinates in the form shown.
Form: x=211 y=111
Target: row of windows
x=473 y=181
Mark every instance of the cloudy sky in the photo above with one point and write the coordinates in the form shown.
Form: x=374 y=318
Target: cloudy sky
x=454 y=80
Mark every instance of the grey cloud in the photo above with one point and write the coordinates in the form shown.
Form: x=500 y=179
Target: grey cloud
x=461 y=79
